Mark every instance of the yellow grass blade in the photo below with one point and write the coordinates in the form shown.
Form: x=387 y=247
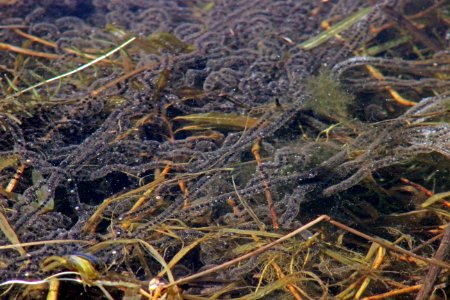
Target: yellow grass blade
x=218 y=120
x=435 y=198
x=8 y=231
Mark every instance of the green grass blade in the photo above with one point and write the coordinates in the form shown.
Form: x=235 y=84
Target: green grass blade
x=335 y=29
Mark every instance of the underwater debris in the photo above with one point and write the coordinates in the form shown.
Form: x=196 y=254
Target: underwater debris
x=192 y=148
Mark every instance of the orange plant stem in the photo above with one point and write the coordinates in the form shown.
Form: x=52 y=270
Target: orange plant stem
x=185 y=191
x=289 y=286
x=255 y=150
x=407 y=290
x=53 y=45
x=8 y=47
x=158 y=180
x=394 y=94
x=418 y=187
x=12 y=184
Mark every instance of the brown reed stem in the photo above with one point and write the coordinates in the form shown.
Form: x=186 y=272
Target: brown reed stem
x=432 y=261
x=273 y=215
x=441 y=254
x=122 y=78
x=390 y=294
x=12 y=48
x=250 y=254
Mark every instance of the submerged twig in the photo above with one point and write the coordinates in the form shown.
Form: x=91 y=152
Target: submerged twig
x=273 y=215
x=431 y=261
x=403 y=22
x=250 y=254
x=441 y=255
x=8 y=47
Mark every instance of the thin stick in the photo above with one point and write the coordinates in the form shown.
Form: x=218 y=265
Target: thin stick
x=427 y=242
x=122 y=78
x=75 y=70
x=394 y=293
x=13 y=182
x=8 y=47
x=407 y=25
x=291 y=287
x=35 y=38
x=441 y=254
x=54 y=45
x=273 y=215
x=13 y=26
x=418 y=187
x=420 y=14
x=250 y=254
x=388 y=245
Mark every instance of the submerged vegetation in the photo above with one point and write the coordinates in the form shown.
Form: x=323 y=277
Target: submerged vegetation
x=327 y=96
x=212 y=150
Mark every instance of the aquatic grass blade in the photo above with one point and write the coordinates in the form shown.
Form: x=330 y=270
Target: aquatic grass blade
x=334 y=30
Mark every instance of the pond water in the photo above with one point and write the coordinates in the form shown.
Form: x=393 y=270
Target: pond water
x=142 y=142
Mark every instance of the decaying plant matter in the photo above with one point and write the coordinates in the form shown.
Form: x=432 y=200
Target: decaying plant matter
x=165 y=149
